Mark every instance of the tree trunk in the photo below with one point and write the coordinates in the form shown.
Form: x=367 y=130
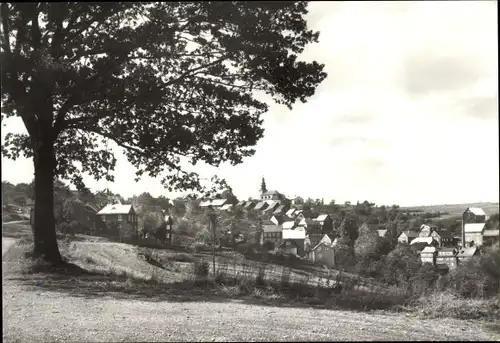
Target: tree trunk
x=44 y=228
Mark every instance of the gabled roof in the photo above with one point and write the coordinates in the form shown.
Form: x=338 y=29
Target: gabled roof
x=476 y=210
x=426 y=240
x=260 y=206
x=280 y=209
x=115 y=209
x=443 y=233
x=321 y=244
x=467 y=252
x=273 y=204
x=91 y=207
x=308 y=222
x=491 y=233
x=290 y=212
x=249 y=204
x=272 y=192
x=241 y=203
x=410 y=234
x=382 y=233
x=428 y=250
x=288 y=225
x=226 y=207
x=297 y=233
x=271 y=228
x=213 y=202
x=474 y=227
x=321 y=217
x=446 y=250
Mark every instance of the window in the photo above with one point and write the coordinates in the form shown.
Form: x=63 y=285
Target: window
x=104 y=217
x=119 y=217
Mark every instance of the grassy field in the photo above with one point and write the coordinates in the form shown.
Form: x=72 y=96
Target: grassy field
x=457 y=209
x=113 y=291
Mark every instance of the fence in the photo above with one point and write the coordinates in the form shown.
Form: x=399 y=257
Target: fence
x=288 y=276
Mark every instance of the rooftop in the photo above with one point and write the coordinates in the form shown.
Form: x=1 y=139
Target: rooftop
x=474 y=227
x=115 y=209
x=476 y=210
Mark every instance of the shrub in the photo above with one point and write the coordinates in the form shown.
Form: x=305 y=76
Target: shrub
x=183 y=258
x=201 y=268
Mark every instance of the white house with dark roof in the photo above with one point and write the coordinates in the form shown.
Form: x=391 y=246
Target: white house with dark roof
x=123 y=216
x=272 y=195
x=474 y=233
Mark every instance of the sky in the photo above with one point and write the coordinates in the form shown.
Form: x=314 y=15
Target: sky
x=408 y=114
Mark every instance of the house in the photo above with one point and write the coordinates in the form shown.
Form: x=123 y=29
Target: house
x=314 y=239
x=281 y=209
x=465 y=254
x=297 y=201
x=382 y=233
x=426 y=230
x=448 y=257
x=325 y=222
x=428 y=255
x=215 y=203
x=298 y=236
x=474 y=234
x=490 y=237
x=474 y=215
x=299 y=215
x=444 y=238
x=288 y=225
x=407 y=236
x=291 y=212
x=290 y=247
x=250 y=205
x=272 y=195
x=271 y=233
x=227 y=207
x=323 y=253
x=272 y=206
x=123 y=217
x=421 y=242
x=280 y=219
x=262 y=205
x=241 y=203
x=310 y=225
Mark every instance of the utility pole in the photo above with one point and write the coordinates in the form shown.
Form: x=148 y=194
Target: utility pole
x=212 y=221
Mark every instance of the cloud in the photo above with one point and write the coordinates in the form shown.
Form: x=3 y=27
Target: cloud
x=428 y=74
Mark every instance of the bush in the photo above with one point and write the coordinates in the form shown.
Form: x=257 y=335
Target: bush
x=201 y=268
x=183 y=258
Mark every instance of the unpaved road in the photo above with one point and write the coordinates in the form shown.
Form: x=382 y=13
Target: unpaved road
x=7 y=242
x=35 y=315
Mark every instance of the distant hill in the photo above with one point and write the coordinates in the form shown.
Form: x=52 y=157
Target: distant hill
x=456 y=209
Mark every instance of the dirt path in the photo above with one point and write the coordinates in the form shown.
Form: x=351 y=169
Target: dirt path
x=7 y=242
x=38 y=315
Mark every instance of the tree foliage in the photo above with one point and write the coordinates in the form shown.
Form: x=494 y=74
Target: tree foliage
x=169 y=82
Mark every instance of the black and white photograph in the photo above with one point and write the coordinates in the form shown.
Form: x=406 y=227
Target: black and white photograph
x=250 y=171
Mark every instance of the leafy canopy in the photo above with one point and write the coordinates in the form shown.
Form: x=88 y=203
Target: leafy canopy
x=170 y=82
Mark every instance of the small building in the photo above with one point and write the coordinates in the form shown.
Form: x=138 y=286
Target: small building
x=428 y=255
x=214 y=203
x=272 y=195
x=272 y=206
x=272 y=233
x=227 y=207
x=325 y=222
x=122 y=216
x=290 y=247
x=490 y=237
x=448 y=257
x=407 y=236
x=421 y=242
x=426 y=230
x=474 y=234
x=323 y=253
x=291 y=212
x=444 y=238
x=298 y=236
x=474 y=215
x=241 y=203
x=261 y=206
x=382 y=233
x=281 y=209
x=466 y=254
x=310 y=225
x=288 y=225
x=250 y=205
x=297 y=201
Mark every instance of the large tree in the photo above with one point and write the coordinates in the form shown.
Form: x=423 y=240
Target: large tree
x=169 y=82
